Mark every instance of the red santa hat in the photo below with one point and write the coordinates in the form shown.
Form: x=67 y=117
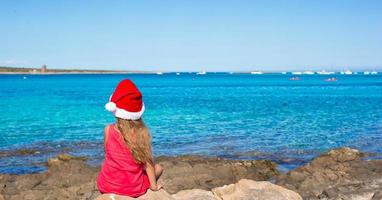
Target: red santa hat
x=126 y=101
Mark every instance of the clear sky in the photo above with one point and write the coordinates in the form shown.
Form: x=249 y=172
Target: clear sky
x=180 y=35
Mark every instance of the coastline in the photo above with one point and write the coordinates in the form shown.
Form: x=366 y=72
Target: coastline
x=74 y=72
x=339 y=173
x=45 y=71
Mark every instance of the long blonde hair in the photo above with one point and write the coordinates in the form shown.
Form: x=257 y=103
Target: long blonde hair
x=137 y=137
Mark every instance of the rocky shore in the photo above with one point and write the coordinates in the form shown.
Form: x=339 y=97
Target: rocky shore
x=339 y=174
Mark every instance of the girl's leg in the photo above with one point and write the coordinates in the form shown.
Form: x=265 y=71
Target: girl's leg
x=158 y=170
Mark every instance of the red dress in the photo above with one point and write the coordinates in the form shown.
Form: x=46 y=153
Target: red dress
x=120 y=173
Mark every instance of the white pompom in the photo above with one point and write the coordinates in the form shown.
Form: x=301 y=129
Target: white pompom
x=110 y=106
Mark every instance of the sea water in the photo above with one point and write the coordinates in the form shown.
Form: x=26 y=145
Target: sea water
x=234 y=116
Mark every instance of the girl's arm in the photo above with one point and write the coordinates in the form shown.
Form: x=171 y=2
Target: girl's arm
x=150 y=170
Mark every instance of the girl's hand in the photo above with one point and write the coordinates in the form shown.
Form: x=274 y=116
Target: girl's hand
x=157 y=188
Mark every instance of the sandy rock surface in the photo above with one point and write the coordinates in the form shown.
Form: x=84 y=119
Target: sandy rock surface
x=195 y=194
x=249 y=189
x=150 y=195
x=243 y=190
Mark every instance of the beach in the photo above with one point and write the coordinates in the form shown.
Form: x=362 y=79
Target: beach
x=338 y=174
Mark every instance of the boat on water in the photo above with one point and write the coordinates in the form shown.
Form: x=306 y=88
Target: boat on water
x=256 y=72
x=201 y=73
x=347 y=72
x=295 y=78
x=297 y=73
x=323 y=72
x=160 y=73
x=308 y=72
x=177 y=73
x=374 y=72
x=332 y=79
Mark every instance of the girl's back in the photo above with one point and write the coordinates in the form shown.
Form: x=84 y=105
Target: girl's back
x=120 y=173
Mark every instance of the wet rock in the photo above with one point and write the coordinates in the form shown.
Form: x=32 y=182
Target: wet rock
x=249 y=189
x=27 y=151
x=340 y=173
x=63 y=158
x=19 y=152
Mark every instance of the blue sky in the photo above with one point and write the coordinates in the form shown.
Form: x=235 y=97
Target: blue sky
x=182 y=35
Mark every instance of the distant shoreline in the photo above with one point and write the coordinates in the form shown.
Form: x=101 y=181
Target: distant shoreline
x=162 y=73
x=45 y=71
x=74 y=72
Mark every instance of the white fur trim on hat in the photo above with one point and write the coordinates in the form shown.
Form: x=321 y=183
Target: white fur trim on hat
x=110 y=106
x=124 y=114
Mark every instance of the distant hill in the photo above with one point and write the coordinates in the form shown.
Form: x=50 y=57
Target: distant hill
x=4 y=69
x=14 y=69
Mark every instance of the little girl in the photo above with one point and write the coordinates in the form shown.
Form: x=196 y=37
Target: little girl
x=128 y=168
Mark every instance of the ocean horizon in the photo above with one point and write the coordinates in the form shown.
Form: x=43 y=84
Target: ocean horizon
x=233 y=116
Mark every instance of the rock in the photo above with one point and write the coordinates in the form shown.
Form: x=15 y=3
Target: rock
x=377 y=196
x=195 y=172
x=53 y=161
x=249 y=189
x=244 y=189
x=364 y=196
x=66 y=178
x=158 y=195
x=18 y=152
x=64 y=157
x=26 y=151
x=150 y=195
x=340 y=173
x=59 y=158
x=69 y=176
x=344 y=154
x=195 y=194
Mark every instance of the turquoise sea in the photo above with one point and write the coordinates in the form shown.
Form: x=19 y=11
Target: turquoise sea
x=235 y=116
